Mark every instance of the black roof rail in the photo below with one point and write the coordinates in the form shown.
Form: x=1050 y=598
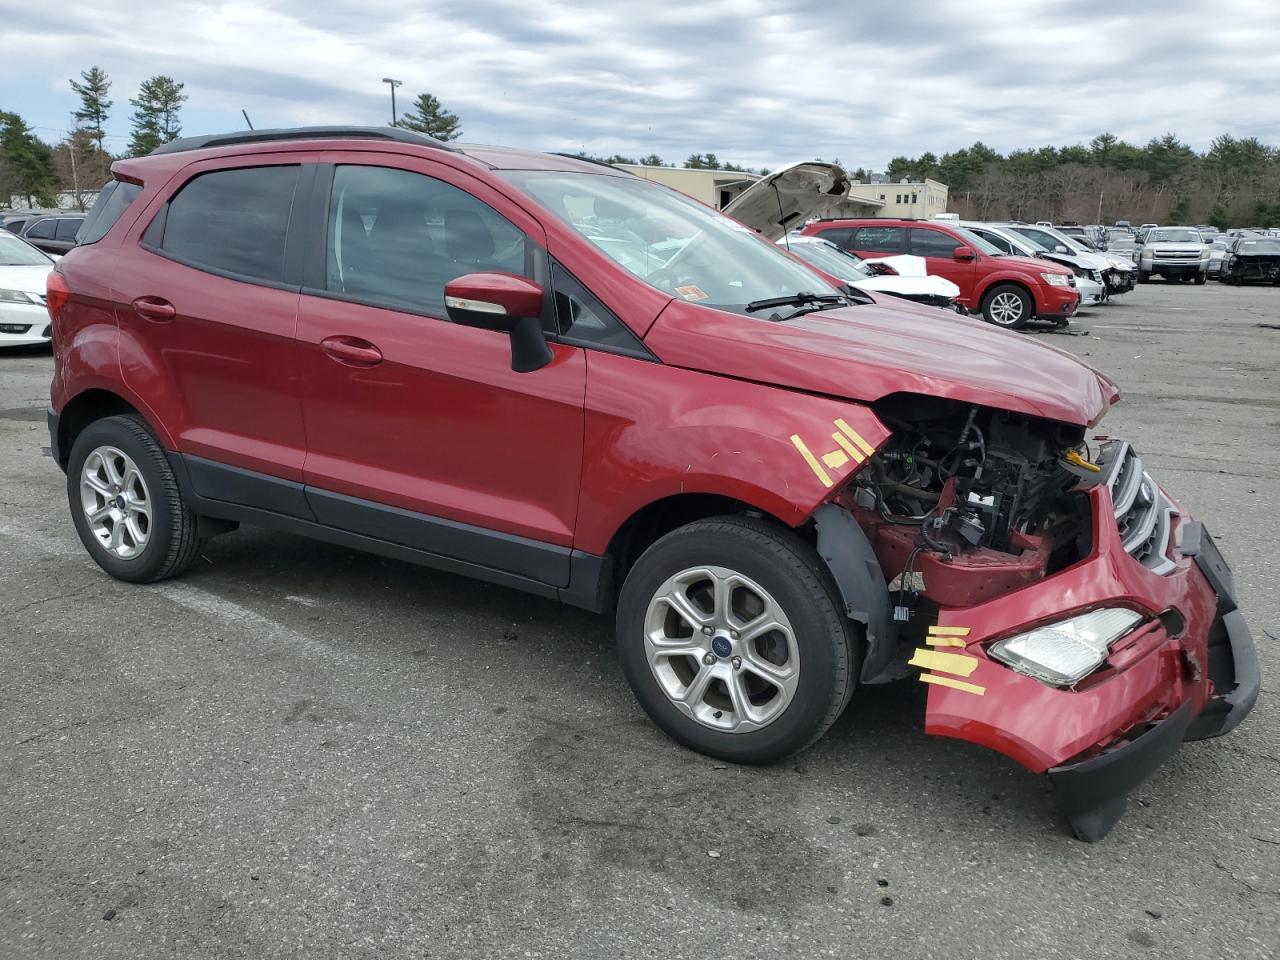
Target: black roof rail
x=397 y=134
x=574 y=156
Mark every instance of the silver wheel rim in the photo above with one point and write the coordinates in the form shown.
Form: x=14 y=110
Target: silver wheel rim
x=721 y=649
x=117 y=506
x=1006 y=308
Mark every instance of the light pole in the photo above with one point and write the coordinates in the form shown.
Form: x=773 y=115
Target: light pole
x=392 y=84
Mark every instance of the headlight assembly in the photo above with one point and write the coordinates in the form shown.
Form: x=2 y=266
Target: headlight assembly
x=1061 y=654
x=1056 y=279
x=17 y=296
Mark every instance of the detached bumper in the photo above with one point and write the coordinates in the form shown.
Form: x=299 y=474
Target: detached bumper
x=1188 y=673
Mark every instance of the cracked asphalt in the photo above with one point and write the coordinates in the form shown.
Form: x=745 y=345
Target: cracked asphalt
x=300 y=751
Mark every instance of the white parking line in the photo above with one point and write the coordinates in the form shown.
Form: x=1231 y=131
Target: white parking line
x=195 y=599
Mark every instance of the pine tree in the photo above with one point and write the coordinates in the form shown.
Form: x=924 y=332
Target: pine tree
x=93 y=101
x=155 y=115
x=429 y=117
x=27 y=163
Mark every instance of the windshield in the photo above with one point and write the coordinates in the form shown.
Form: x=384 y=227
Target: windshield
x=19 y=253
x=1259 y=246
x=1174 y=236
x=670 y=241
x=830 y=260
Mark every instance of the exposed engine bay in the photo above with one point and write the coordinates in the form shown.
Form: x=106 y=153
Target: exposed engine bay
x=966 y=502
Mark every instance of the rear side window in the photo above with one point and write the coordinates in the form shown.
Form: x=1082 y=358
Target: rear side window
x=932 y=243
x=42 y=229
x=840 y=236
x=880 y=239
x=230 y=221
x=396 y=238
x=113 y=200
x=67 y=229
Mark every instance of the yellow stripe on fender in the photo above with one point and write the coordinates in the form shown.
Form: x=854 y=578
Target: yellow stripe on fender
x=938 y=631
x=810 y=459
x=854 y=453
x=856 y=437
x=954 y=684
x=960 y=664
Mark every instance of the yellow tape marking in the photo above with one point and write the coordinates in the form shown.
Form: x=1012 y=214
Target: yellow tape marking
x=938 y=631
x=854 y=453
x=954 y=684
x=958 y=663
x=835 y=459
x=811 y=460
x=945 y=642
x=853 y=435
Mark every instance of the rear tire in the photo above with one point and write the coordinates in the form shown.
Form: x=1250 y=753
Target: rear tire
x=685 y=640
x=1143 y=277
x=1008 y=306
x=126 y=504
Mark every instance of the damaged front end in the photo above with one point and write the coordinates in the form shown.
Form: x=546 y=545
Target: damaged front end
x=1061 y=607
x=1257 y=268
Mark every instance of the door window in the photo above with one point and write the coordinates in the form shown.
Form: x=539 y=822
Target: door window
x=840 y=236
x=880 y=239
x=230 y=221
x=932 y=243
x=997 y=241
x=67 y=229
x=397 y=237
x=42 y=229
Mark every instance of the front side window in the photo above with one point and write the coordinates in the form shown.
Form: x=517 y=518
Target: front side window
x=397 y=237
x=880 y=239
x=668 y=240
x=42 y=229
x=997 y=241
x=932 y=243
x=230 y=221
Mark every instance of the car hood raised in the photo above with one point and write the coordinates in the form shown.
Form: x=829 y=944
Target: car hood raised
x=788 y=197
x=867 y=352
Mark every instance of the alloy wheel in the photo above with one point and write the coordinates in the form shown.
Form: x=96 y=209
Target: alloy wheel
x=722 y=649
x=1006 y=308
x=117 y=506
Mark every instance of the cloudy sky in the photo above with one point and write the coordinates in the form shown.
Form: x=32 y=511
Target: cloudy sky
x=759 y=82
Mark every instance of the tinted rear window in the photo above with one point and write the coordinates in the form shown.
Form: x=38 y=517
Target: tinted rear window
x=113 y=200
x=231 y=221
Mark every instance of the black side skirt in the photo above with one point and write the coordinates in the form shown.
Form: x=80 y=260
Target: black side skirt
x=545 y=569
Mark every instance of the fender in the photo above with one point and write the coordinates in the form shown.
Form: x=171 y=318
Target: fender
x=655 y=431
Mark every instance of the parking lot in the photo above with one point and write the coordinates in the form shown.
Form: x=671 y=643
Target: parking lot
x=300 y=751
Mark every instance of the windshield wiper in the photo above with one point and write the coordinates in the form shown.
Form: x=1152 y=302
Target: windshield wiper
x=795 y=300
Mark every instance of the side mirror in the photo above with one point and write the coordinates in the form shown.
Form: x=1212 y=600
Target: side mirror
x=1060 y=248
x=504 y=302
x=963 y=253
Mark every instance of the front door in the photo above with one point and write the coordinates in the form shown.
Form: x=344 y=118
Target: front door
x=418 y=430
x=938 y=249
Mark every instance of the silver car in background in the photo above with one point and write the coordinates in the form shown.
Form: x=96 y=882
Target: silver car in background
x=1089 y=281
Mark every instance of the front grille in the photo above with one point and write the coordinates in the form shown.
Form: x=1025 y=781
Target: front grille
x=1177 y=254
x=1144 y=515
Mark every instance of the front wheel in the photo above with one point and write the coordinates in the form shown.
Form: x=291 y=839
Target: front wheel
x=734 y=641
x=1008 y=306
x=1201 y=279
x=126 y=504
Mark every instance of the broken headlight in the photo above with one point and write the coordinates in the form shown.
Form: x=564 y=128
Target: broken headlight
x=1061 y=654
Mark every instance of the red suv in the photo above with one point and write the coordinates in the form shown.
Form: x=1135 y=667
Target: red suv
x=1007 y=291
x=558 y=377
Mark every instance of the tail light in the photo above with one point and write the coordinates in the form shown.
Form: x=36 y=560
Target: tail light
x=56 y=294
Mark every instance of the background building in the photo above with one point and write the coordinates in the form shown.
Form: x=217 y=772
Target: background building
x=923 y=200
x=715 y=188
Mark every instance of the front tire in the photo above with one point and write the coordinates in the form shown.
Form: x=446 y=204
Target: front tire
x=126 y=504
x=733 y=638
x=1202 y=279
x=1008 y=306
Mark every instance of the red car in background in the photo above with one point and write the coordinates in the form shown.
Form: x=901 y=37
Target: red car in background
x=1007 y=291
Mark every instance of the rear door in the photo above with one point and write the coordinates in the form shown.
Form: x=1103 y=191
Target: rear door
x=938 y=249
x=208 y=300
x=418 y=430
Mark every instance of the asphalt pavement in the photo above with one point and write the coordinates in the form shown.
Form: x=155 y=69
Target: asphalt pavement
x=301 y=751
